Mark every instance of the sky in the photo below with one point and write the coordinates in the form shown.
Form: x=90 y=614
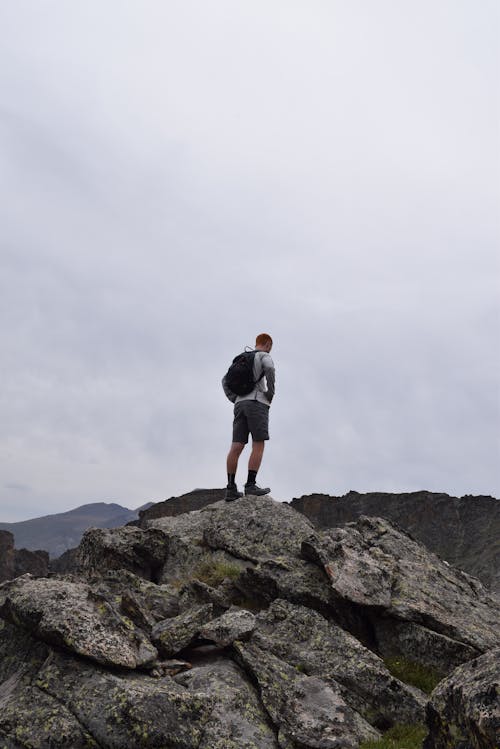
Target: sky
x=177 y=176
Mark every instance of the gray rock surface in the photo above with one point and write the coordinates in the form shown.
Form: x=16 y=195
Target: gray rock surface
x=238 y=720
x=236 y=625
x=462 y=530
x=140 y=551
x=308 y=711
x=375 y=566
x=71 y=616
x=15 y=562
x=318 y=647
x=464 y=710
x=173 y=635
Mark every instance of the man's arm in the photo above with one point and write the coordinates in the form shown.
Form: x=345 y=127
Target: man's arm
x=268 y=366
x=229 y=393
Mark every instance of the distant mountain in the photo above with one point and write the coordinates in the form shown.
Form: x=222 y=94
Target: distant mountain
x=61 y=531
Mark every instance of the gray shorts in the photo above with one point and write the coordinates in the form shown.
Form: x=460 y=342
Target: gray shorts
x=250 y=416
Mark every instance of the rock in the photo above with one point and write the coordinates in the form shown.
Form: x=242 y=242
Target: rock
x=171 y=667
x=155 y=601
x=70 y=615
x=188 y=553
x=261 y=536
x=184 y=504
x=374 y=566
x=238 y=720
x=30 y=718
x=173 y=635
x=318 y=647
x=289 y=578
x=235 y=624
x=6 y=555
x=35 y=563
x=195 y=592
x=461 y=530
x=140 y=551
x=66 y=563
x=438 y=652
x=306 y=711
x=256 y=529
x=16 y=562
x=126 y=710
x=464 y=710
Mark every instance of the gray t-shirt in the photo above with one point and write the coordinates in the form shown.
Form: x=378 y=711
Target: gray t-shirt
x=264 y=389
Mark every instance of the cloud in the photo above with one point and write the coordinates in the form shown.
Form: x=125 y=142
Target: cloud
x=171 y=188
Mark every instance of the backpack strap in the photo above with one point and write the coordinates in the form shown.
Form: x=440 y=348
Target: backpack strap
x=262 y=368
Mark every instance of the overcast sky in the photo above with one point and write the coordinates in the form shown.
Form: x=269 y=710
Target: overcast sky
x=178 y=176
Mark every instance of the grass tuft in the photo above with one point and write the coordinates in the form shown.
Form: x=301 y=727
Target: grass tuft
x=422 y=677
x=401 y=736
x=213 y=573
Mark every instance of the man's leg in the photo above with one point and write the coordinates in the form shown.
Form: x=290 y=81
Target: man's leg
x=256 y=456
x=234 y=453
x=253 y=466
x=233 y=456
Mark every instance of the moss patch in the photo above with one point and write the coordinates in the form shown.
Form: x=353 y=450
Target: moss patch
x=213 y=573
x=422 y=677
x=399 y=737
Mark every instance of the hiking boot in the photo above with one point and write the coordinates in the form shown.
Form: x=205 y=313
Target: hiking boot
x=255 y=490
x=232 y=493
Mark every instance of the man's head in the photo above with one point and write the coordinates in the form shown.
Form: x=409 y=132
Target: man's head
x=264 y=342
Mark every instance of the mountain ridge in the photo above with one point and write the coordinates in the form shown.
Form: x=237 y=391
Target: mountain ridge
x=58 y=532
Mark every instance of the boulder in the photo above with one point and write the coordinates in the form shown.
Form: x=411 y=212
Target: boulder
x=307 y=711
x=72 y=616
x=462 y=530
x=464 y=710
x=35 y=563
x=16 y=562
x=125 y=709
x=129 y=591
x=7 y=555
x=186 y=503
x=318 y=647
x=140 y=551
x=173 y=635
x=235 y=624
x=28 y=717
x=257 y=528
x=380 y=570
x=238 y=720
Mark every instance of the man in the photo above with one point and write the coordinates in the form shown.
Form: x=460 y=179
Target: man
x=251 y=416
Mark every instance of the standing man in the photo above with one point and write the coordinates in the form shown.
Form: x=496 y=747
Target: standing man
x=251 y=416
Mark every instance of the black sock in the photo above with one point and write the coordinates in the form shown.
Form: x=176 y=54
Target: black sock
x=252 y=477
x=231 y=479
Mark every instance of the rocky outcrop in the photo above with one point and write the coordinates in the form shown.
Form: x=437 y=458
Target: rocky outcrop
x=74 y=617
x=142 y=552
x=15 y=562
x=464 y=530
x=67 y=562
x=465 y=707
x=237 y=626
x=6 y=556
x=379 y=569
x=194 y=500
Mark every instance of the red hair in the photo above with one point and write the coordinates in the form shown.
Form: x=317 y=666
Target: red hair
x=263 y=339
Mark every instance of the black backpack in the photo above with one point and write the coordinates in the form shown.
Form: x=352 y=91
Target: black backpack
x=239 y=376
